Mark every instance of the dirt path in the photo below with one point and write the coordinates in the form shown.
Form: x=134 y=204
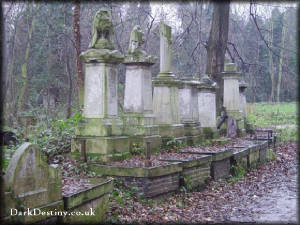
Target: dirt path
x=279 y=204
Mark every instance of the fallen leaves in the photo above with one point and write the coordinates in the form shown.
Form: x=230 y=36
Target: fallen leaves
x=218 y=201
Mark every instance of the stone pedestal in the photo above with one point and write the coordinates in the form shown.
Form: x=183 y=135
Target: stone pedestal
x=138 y=115
x=165 y=94
x=207 y=102
x=231 y=93
x=188 y=110
x=100 y=132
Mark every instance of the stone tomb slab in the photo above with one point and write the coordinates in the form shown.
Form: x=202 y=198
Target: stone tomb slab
x=220 y=166
x=150 y=181
x=194 y=171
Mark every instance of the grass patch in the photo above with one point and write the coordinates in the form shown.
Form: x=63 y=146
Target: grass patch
x=265 y=114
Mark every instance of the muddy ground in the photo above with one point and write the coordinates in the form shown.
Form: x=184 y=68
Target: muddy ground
x=264 y=195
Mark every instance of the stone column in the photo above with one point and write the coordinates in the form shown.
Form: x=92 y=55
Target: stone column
x=231 y=93
x=165 y=94
x=243 y=102
x=188 y=109
x=101 y=128
x=207 y=103
x=138 y=111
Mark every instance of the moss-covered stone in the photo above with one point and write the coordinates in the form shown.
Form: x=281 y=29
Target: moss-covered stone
x=136 y=171
x=28 y=173
x=95 y=199
x=102 y=145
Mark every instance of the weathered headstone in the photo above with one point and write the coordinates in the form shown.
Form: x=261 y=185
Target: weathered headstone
x=29 y=182
x=207 y=102
x=165 y=94
x=101 y=126
x=231 y=93
x=138 y=111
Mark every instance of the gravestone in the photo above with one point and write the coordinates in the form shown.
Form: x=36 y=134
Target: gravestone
x=138 y=115
x=207 y=103
x=29 y=182
x=101 y=129
x=165 y=93
x=188 y=109
x=232 y=94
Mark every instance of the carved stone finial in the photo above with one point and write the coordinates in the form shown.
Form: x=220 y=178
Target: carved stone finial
x=136 y=40
x=102 y=31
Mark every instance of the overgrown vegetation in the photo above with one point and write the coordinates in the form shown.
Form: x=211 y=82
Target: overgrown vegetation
x=52 y=135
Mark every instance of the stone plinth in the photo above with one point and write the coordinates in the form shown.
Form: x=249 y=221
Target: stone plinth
x=165 y=94
x=188 y=109
x=100 y=114
x=207 y=102
x=231 y=88
x=138 y=115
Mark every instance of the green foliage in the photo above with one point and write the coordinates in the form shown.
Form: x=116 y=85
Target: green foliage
x=188 y=182
x=271 y=155
x=289 y=134
x=52 y=136
x=238 y=172
x=136 y=149
x=172 y=143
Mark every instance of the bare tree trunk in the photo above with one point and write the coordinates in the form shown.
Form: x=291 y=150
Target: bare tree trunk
x=216 y=47
x=271 y=66
x=22 y=96
x=80 y=77
x=69 y=98
x=68 y=71
x=280 y=61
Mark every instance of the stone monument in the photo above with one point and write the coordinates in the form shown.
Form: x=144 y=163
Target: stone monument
x=101 y=129
x=188 y=109
x=232 y=95
x=207 y=103
x=138 y=115
x=165 y=93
